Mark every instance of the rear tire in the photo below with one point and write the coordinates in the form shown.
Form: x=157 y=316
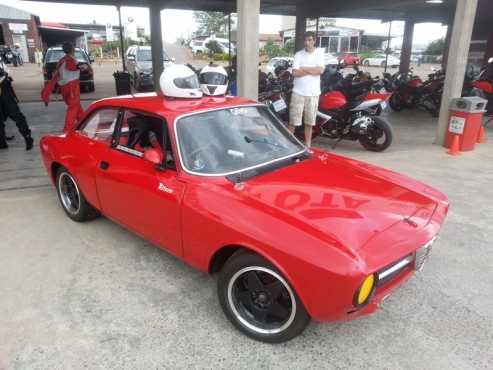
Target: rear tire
x=381 y=129
x=71 y=198
x=259 y=301
x=396 y=103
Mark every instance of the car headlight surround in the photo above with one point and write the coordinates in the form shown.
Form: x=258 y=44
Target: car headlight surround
x=365 y=291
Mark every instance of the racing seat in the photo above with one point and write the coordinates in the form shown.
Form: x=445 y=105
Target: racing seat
x=138 y=131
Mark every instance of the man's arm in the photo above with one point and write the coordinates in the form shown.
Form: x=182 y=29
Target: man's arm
x=299 y=72
x=312 y=71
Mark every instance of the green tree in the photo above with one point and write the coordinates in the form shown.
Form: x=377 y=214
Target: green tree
x=208 y=22
x=436 y=47
x=213 y=47
x=289 y=47
x=273 y=50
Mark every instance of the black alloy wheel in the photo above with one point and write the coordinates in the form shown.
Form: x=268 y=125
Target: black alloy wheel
x=73 y=201
x=259 y=301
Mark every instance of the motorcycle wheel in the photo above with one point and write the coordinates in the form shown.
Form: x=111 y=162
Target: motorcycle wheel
x=396 y=103
x=379 y=136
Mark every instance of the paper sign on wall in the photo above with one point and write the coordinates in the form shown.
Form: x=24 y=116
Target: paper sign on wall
x=457 y=124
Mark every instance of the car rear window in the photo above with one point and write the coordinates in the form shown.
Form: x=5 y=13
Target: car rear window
x=53 y=56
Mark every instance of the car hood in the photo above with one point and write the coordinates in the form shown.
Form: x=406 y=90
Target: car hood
x=341 y=198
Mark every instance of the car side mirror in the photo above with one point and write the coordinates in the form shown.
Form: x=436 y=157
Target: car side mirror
x=154 y=156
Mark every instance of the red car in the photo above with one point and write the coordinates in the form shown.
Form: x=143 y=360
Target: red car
x=220 y=183
x=348 y=59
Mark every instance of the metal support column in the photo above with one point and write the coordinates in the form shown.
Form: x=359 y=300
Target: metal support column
x=156 y=42
x=122 y=45
x=387 y=49
x=316 y=32
x=465 y=13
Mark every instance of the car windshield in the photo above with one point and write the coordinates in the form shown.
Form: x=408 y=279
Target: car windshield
x=53 y=56
x=230 y=140
x=146 y=56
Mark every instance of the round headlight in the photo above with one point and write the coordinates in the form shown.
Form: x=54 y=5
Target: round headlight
x=365 y=290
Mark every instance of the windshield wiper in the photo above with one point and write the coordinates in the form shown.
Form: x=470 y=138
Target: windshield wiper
x=265 y=141
x=248 y=174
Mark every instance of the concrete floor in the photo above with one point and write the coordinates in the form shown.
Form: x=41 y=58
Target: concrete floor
x=95 y=296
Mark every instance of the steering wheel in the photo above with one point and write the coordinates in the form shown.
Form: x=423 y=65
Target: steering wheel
x=196 y=159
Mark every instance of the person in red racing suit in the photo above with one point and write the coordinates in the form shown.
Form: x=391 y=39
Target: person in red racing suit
x=67 y=76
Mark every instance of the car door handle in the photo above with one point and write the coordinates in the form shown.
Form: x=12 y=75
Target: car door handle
x=104 y=165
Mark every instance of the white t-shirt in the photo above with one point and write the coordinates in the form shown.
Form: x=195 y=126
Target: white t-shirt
x=308 y=85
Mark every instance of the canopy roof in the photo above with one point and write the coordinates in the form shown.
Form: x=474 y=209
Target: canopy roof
x=377 y=9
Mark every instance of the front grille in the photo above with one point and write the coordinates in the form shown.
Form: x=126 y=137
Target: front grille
x=423 y=253
x=421 y=256
x=391 y=271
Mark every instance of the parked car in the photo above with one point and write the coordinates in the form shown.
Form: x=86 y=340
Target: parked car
x=224 y=44
x=379 y=60
x=139 y=65
x=284 y=62
x=294 y=234
x=348 y=59
x=197 y=46
x=53 y=56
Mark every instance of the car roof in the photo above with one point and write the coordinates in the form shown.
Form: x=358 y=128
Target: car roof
x=57 y=48
x=166 y=107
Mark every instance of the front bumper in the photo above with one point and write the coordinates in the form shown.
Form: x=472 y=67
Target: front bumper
x=334 y=300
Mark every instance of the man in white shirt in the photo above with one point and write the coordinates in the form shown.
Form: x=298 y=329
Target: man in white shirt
x=308 y=65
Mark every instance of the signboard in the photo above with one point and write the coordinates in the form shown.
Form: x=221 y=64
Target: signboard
x=30 y=43
x=109 y=32
x=18 y=27
x=456 y=125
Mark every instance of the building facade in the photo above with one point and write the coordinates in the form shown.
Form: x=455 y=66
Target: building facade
x=18 y=27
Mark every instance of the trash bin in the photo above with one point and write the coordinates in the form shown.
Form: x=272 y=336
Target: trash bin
x=465 y=120
x=122 y=82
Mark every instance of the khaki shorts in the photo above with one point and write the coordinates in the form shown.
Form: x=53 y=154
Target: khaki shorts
x=303 y=107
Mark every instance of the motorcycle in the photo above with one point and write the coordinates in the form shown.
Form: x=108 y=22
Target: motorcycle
x=349 y=109
x=411 y=91
x=481 y=86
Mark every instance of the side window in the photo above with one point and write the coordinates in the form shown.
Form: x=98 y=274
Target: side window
x=139 y=132
x=100 y=125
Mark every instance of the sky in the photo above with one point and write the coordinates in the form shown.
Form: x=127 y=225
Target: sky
x=178 y=23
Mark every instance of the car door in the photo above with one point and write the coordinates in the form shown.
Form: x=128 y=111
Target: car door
x=134 y=192
x=88 y=145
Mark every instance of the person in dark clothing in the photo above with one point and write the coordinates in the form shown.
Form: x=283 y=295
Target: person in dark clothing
x=9 y=108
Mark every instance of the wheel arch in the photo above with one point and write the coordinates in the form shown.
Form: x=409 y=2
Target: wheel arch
x=218 y=259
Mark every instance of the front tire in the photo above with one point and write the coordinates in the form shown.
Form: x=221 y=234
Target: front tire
x=396 y=102
x=71 y=198
x=366 y=63
x=379 y=137
x=259 y=301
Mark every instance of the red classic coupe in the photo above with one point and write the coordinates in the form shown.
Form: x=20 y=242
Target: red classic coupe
x=294 y=234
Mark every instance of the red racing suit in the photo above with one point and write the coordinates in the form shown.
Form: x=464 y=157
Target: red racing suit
x=67 y=76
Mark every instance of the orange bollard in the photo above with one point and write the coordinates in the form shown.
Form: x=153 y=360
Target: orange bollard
x=454 y=148
x=480 y=139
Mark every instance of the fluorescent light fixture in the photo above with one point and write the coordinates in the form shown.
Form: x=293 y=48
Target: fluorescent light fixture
x=434 y=1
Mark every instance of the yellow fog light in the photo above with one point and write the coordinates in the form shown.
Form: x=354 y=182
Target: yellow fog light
x=365 y=290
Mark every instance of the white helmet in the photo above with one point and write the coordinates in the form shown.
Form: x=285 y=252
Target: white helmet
x=179 y=81
x=213 y=80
